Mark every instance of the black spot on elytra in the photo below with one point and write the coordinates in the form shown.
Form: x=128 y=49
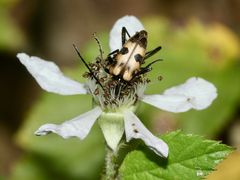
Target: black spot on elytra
x=138 y=58
x=124 y=50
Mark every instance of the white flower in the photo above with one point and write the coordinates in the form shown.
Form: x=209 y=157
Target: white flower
x=115 y=106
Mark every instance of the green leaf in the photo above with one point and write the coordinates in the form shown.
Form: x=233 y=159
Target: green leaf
x=190 y=157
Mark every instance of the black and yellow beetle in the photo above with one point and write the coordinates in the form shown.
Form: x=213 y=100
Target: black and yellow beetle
x=126 y=62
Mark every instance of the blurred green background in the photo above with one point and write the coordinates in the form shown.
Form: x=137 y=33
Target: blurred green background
x=199 y=38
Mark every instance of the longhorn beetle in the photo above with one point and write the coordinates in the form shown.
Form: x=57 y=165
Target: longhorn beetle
x=126 y=62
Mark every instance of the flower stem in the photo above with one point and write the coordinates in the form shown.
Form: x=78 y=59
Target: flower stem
x=111 y=164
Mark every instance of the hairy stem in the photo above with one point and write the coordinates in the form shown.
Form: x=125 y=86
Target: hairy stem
x=111 y=164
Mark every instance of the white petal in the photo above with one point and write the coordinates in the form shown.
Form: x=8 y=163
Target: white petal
x=49 y=76
x=135 y=129
x=132 y=25
x=200 y=92
x=77 y=127
x=172 y=103
x=195 y=93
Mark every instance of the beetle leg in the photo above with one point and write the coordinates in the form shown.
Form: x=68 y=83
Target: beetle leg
x=147 y=68
x=114 y=52
x=110 y=59
x=124 y=33
x=152 y=52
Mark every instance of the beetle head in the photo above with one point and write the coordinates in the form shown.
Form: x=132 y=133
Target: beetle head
x=140 y=38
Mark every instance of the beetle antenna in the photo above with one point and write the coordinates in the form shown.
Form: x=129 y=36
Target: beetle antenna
x=124 y=33
x=91 y=72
